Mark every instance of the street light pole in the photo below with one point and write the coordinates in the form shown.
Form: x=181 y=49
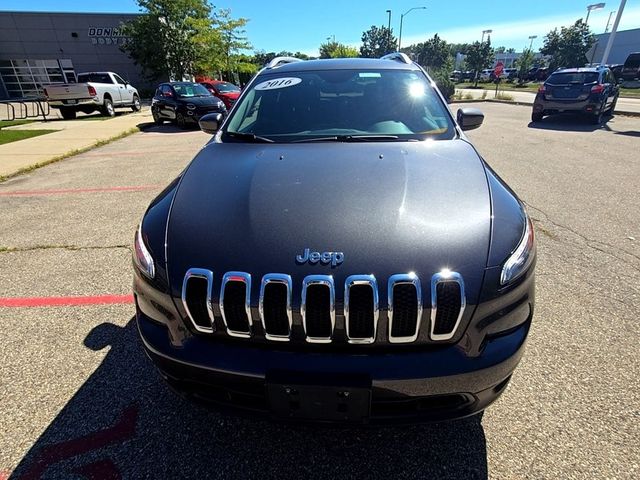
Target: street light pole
x=401 y=19
x=389 y=30
x=609 y=20
x=532 y=37
x=594 y=6
x=483 y=32
x=607 y=49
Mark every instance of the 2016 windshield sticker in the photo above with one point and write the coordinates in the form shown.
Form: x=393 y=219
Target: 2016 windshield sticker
x=278 y=83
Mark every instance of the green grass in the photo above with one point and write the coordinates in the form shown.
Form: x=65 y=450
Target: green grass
x=11 y=123
x=8 y=136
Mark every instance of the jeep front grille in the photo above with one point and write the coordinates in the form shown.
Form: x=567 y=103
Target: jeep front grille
x=405 y=307
x=318 y=308
x=196 y=298
x=361 y=308
x=447 y=304
x=235 y=306
x=275 y=306
x=317 y=320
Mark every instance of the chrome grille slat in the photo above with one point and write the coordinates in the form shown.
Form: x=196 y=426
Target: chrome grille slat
x=269 y=307
x=199 y=273
x=404 y=315
x=438 y=280
x=231 y=314
x=311 y=310
x=359 y=316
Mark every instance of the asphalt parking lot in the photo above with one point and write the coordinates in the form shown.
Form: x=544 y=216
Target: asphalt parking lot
x=80 y=400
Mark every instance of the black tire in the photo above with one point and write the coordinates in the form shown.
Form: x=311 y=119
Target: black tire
x=107 y=108
x=68 y=113
x=536 y=117
x=181 y=121
x=156 y=118
x=596 y=119
x=613 y=105
x=136 y=106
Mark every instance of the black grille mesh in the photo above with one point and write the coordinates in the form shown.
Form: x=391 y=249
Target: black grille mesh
x=274 y=307
x=405 y=310
x=448 y=298
x=318 y=317
x=361 y=315
x=234 y=306
x=196 y=297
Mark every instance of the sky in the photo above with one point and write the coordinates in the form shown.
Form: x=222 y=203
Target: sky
x=303 y=25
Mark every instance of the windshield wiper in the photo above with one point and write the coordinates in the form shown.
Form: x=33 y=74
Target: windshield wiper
x=251 y=137
x=349 y=138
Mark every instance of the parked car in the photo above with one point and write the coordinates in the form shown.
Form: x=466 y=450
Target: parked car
x=486 y=74
x=338 y=251
x=590 y=91
x=616 y=69
x=631 y=68
x=184 y=103
x=225 y=91
x=103 y=91
x=538 y=74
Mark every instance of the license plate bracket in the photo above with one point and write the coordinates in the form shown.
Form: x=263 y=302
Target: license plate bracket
x=320 y=403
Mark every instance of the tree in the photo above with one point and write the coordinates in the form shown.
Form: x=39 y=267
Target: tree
x=524 y=63
x=168 y=38
x=569 y=46
x=337 y=50
x=434 y=53
x=479 y=55
x=377 y=41
x=232 y=38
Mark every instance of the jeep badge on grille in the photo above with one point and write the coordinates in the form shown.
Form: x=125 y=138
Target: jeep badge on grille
x=334 y=258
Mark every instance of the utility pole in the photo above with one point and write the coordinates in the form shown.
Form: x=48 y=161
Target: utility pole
x=609 y=20
x=389 y=30
x=607 y=50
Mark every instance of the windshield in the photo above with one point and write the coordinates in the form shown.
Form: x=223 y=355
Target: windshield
x=575 y=77
x=227 y=87
x=187 y=90
x=341 y=104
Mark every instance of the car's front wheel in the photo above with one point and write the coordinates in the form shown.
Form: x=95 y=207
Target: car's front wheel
x=156 y=117
x=181 y=121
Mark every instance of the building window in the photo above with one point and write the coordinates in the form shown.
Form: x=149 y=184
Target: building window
x=25 y=78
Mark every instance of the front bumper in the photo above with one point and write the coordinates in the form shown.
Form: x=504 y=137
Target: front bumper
x=405 y=386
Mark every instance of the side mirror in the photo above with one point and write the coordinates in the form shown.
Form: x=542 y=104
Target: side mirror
x=210 y=123
x=469 y=118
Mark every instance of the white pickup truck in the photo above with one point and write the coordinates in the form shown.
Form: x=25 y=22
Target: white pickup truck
x=102 y=91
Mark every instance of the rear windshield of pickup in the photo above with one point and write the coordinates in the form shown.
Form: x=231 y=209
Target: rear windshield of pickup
x=95 y=78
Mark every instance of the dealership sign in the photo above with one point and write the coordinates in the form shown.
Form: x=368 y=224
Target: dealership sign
x=106 y=36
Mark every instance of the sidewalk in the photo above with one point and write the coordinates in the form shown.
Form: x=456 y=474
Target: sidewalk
x=71 y=135
x=624 y=105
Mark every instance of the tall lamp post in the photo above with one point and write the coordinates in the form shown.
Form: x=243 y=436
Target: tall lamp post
x=614 y=29
x=609 y=21
x=532 y=37
x=402 y=18
x=594 y=6
x=389 y=29
x=483 y=32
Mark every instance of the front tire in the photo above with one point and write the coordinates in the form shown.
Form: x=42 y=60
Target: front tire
x=156 y=117
x=136 y=106
x=107 y=108
x=68 y=113
x=181 y=121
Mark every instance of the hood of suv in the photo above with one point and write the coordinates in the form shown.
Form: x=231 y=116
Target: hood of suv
x=392 y=207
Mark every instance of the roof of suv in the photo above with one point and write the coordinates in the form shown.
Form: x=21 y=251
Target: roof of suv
x=580 y=69
x=342 y=64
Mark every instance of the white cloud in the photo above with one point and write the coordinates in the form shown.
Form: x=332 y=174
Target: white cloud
x=515 y=34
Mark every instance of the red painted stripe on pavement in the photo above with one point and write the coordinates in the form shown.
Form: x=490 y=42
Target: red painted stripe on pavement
x=17 y=302
x=59 y=191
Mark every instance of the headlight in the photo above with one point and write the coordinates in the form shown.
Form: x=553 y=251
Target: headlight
x=220 y=104
x=141 y=255
x=521 y=257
